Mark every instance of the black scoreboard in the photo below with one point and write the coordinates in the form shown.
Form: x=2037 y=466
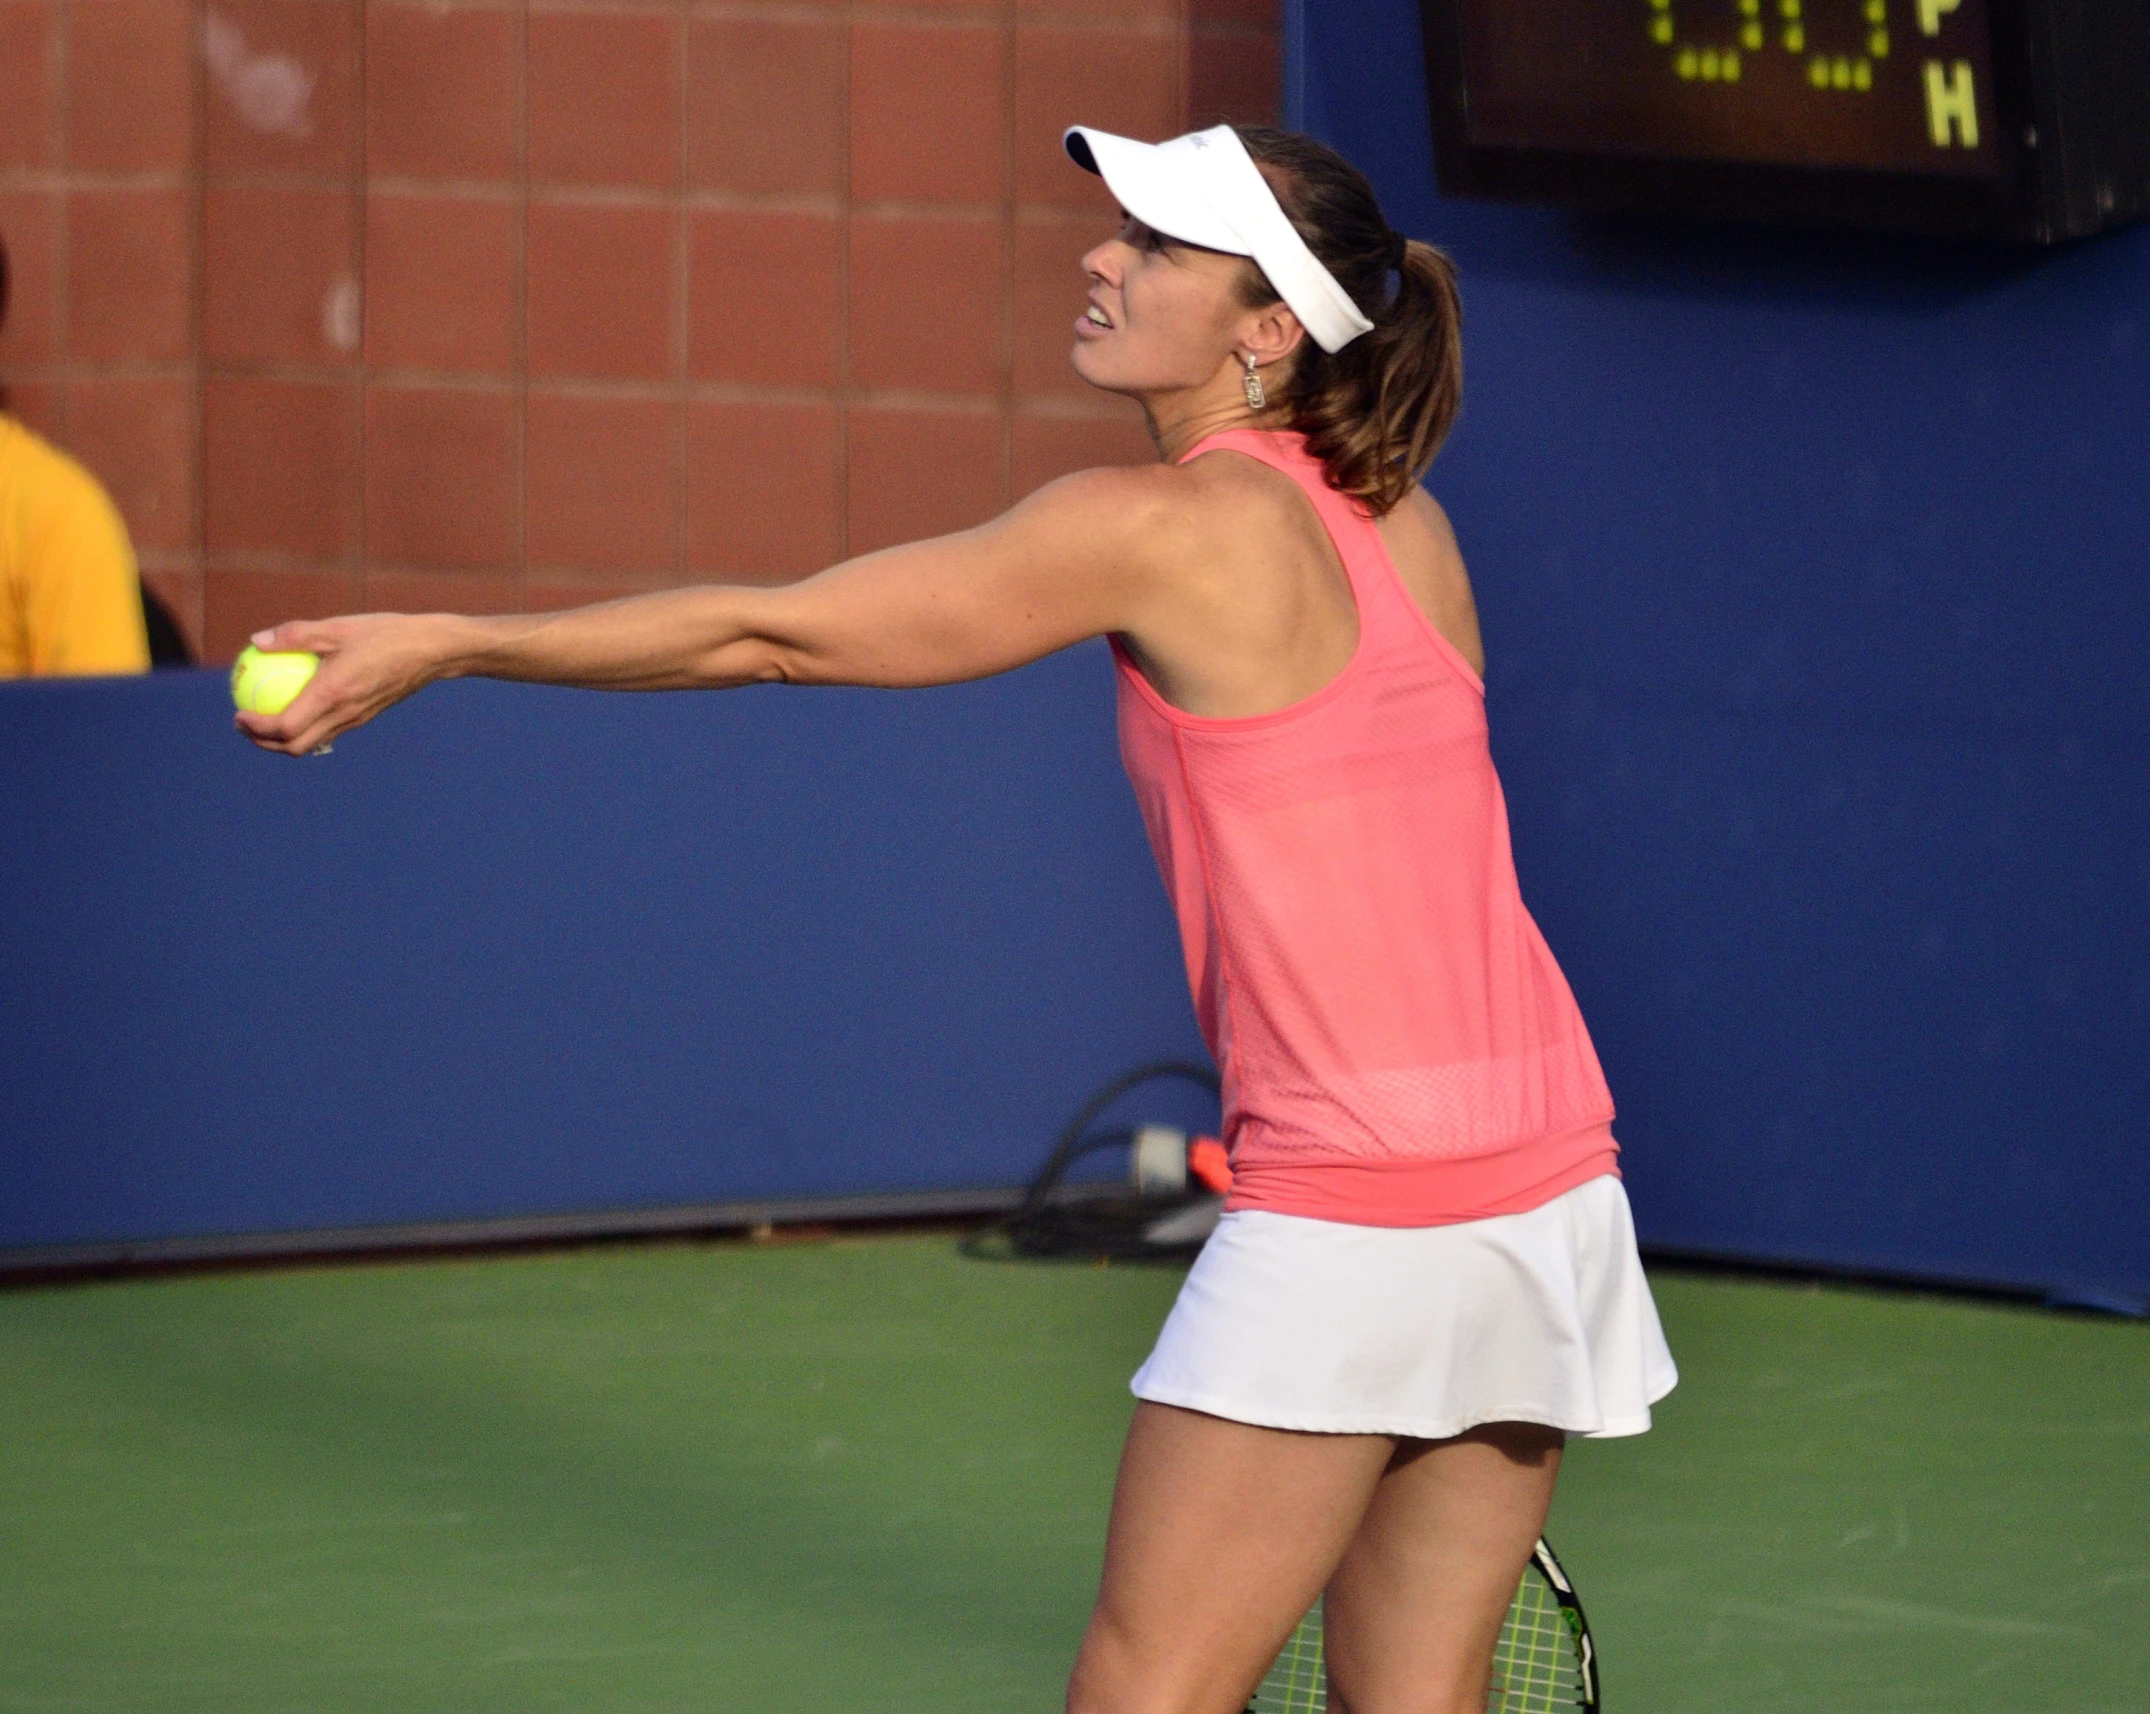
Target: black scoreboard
x=2008 y=118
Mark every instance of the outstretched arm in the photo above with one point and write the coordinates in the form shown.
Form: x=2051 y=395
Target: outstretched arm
x=1073 y=561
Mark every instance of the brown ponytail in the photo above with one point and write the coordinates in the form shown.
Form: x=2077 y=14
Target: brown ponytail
x=1375 y=412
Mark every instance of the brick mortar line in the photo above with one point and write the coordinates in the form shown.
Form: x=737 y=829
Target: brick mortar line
x=1182 y=68
x=361 y=89
x=698 y=390
x=38 y=182
x=1004 y=328
x=540 y=576
x=590 y=583
x=1025 y=210
x=521 y=51
x=842 y=496
x=67 y=181
x=273 y=562
x=555 y=195
x=56 y=84
x=1074 y=23
x=57 y=234
x=682 y=308
x=198 y=314
x=71 y=372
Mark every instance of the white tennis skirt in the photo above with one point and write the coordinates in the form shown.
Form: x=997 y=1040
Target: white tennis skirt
x=1419 y=1331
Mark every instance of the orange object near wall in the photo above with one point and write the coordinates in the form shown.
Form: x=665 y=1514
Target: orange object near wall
x=415 y=303
x=1210 y=1165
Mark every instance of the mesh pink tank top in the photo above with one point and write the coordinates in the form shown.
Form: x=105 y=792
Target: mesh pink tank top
x=1397 y=1045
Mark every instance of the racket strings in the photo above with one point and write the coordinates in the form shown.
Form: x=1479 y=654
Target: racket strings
x=1537 y=1663
x=1536 y=1668
x=1296 y=1684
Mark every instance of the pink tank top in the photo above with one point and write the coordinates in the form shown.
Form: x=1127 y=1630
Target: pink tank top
x=1397 y=1045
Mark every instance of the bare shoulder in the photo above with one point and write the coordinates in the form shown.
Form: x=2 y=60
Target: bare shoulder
x=1217 y=482
x=1420 y=526
x=1114 y=508
x=1207 y=513
x=1422 y=542
x=1429 y=562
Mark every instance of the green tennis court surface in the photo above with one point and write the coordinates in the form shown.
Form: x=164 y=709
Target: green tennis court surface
x=870 y=1474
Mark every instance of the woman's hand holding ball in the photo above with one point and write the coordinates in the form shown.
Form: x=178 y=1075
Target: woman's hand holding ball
x=298 y=686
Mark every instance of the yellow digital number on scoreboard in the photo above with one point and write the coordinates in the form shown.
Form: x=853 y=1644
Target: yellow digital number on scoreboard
x=1712 y=43
x=1838 y=48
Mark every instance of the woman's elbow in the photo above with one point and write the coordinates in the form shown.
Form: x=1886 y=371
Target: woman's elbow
x=742 y=661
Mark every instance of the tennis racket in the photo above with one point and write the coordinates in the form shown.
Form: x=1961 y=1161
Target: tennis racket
x=1543 y=1663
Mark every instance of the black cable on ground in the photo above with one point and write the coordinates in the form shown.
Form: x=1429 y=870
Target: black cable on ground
x=1056 y=1219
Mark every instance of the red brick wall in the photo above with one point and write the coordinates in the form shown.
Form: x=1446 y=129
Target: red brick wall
x=499 y=306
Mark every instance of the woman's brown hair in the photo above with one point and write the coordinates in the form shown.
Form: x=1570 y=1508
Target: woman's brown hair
x=1375 y=412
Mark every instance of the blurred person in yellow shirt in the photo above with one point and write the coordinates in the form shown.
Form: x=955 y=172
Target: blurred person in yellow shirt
x=70 y=598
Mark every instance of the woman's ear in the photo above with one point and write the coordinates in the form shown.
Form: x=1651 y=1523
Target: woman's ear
x=1272 y=334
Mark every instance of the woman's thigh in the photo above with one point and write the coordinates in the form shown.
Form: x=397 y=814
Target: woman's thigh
x=1414 y=1609
x=1222 y=1534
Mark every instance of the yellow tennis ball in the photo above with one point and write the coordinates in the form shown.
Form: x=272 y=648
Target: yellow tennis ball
x=265 y=683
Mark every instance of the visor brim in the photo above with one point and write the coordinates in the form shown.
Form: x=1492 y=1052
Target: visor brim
x=1155 y=187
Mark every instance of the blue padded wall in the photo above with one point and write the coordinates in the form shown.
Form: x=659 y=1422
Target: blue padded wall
x=1816 y=579
x=1816 y=576
x=514 y=951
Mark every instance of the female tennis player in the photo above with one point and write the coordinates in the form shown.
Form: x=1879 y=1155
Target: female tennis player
x=1425 y=1278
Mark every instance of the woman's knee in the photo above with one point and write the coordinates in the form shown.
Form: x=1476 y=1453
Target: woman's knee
x=1110 y=1675
x=1119 y=1673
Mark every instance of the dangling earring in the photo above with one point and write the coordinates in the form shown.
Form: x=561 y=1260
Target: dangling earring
x=1257 y=400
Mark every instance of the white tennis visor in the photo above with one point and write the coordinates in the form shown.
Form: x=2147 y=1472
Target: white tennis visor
x=1205 y=189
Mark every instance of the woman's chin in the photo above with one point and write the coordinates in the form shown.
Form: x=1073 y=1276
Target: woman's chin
x=1097 y=367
